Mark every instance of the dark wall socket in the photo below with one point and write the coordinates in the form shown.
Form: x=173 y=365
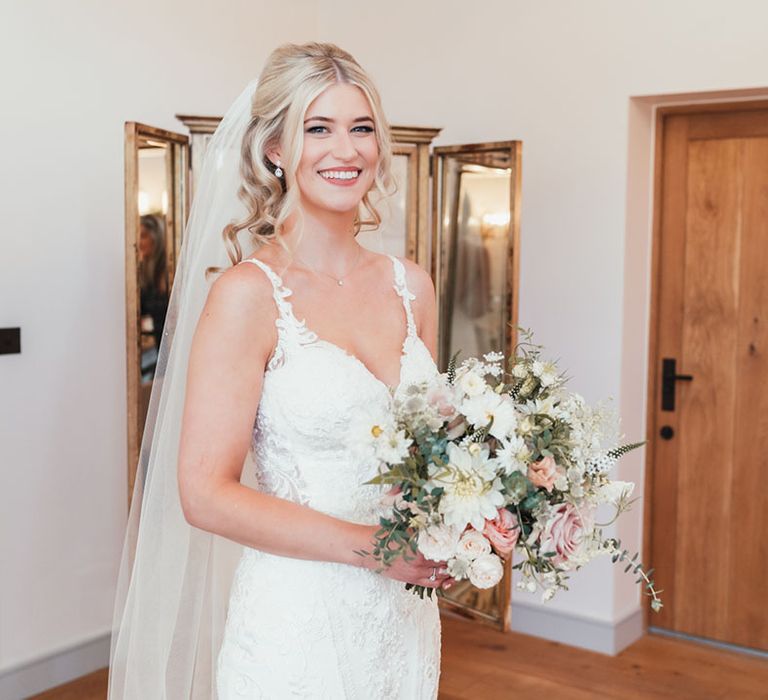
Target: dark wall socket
x=10 y=341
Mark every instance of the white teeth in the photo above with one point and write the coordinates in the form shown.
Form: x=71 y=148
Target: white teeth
x=340 y=174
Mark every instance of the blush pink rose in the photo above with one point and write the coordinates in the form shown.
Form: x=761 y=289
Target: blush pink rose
x=543 y=473
x=564 y=533
x=441 y=398
x=502 y=532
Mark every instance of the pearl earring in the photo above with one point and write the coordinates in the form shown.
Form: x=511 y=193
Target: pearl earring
x=278 y=171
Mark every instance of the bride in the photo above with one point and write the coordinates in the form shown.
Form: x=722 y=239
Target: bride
x=244 y=576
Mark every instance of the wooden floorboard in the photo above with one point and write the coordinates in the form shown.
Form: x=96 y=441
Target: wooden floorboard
x=480 y=663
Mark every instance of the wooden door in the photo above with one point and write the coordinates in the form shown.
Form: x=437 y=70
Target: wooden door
x=709 y=486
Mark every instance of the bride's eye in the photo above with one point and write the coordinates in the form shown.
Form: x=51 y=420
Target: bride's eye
x=312 y=129
x=366 y=129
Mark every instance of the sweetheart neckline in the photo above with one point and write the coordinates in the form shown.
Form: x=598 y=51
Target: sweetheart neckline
x=315 y=339
x=356 y=360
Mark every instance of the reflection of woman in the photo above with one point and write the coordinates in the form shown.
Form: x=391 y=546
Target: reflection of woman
x=273 y=366
x=153 y=278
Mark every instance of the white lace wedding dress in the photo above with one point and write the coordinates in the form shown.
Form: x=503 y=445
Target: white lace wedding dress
x=310 y=629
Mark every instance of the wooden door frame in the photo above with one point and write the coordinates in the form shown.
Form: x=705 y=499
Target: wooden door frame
x=661 y=112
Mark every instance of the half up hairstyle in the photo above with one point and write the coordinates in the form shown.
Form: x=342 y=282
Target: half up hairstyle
x=294 y=75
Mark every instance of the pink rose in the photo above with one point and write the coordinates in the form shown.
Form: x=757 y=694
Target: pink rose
x=564 y=533
x=441 y=398
x=543 y=473
x=502 y=532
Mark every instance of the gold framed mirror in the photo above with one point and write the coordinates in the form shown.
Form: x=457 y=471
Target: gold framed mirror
x=475 y=267
x=156 y=206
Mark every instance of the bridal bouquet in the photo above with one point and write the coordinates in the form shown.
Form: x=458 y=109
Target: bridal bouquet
x=484 y=463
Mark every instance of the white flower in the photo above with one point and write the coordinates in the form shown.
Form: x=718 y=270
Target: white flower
x=537 y=367
x=520 y=370
x=471 y=383
x=493 y=356
x=509 y=455
x=546 y=406
x=548 y=594
x=490 y=406
x=438 y=542
x=613 y=491
x=367 y=428
x=472 y=490
x=548 y=374
x=473 y=544
x=486 y=571
x=392 y=446
x=561 y=482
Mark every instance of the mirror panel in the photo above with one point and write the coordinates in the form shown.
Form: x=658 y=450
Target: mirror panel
x=476 y=205
x=392 y=234
x=156 y=163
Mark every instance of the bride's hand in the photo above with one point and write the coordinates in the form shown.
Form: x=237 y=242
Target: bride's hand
x=417 y=570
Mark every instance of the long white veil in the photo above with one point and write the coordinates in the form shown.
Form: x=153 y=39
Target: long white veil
x=174 y=579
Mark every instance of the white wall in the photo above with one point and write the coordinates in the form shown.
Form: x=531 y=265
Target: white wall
x=558 y=75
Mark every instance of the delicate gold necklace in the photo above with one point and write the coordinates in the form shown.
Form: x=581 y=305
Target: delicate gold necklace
x=339 y=280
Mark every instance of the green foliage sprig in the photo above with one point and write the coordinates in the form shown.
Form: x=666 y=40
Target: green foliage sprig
x=622 y=555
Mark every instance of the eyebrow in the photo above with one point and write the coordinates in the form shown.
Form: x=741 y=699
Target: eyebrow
x=328 y=119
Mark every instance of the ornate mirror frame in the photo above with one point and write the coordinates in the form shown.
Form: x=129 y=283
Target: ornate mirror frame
x=175 y=208
x=485 y=287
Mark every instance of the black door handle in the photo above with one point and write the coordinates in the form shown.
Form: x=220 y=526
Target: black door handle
x=669 y=377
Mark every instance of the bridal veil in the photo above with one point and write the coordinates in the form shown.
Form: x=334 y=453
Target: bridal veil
x=174 y=579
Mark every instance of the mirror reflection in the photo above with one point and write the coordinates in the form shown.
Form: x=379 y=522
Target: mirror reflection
x=476 y=204
x=156 y=172
x=392 y=235
x=152 y=253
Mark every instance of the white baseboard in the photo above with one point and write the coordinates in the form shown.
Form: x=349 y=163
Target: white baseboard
x=587 y=633
x=54 y=669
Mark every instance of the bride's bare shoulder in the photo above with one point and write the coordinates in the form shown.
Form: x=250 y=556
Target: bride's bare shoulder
x=243 y=289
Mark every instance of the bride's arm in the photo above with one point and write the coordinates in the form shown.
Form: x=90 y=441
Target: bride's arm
x=233 y=340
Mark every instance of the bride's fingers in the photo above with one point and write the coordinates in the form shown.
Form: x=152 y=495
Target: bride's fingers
x=440 y=577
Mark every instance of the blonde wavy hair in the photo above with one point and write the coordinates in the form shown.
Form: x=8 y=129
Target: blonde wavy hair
x=294 y=75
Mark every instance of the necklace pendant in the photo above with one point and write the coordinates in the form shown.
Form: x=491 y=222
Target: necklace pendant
x=341 y=283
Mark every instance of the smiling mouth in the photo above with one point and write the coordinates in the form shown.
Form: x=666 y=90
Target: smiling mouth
x=340 y=174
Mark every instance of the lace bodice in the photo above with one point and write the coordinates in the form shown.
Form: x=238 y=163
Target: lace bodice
x=313 y=391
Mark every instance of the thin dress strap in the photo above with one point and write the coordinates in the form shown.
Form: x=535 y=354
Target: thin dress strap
x=289 y=328
x=407 y=296
x=279 y=291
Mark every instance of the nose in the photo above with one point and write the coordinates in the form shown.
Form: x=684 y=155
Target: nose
x=343 y=146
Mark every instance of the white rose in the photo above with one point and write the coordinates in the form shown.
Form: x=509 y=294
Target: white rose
x=438 y=542
x=472 y=384
x=473 y=544
x=486 y=571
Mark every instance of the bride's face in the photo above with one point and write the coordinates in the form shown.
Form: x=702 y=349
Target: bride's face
x=340 y=153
